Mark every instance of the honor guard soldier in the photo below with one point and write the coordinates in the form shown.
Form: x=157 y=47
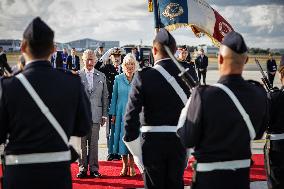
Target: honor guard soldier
x=220 y=121
x=274 y=148
x=37 y=118
x=159 y=94
x=185 y=60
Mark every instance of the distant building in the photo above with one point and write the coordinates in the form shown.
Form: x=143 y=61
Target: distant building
x=80 y=45
x=210 y=50
x=87 y=43
x=10 y=44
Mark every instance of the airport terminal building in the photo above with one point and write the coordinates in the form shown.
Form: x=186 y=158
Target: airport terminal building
x=87 y=43
x=10 y=44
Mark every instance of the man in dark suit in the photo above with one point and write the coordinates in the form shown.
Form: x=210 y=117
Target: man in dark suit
x=160 y=104
x=64 y=55
x=271 y=67
x=56 y=59
x=73 y=61
x=4 y=66
x=135 y=53
x=201 y=63
x=37 y=155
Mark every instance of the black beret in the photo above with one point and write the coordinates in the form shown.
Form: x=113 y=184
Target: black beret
x=38 y=31
x=164 y=37
x=235 y=41
x=183 y=47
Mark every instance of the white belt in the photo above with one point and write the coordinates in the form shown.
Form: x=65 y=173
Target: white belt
x=38 y=158
x=225 y=165
x=276 y=136
x=160 y=128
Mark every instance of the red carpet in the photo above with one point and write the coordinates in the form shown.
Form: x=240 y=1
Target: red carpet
x=110 y=171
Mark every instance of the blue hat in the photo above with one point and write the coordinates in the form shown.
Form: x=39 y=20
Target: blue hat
x=236 y=42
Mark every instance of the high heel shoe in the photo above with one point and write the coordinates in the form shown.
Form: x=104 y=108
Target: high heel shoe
x=132 y=172
x=123 y=172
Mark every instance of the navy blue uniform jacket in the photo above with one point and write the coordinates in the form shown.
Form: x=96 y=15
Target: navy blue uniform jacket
x=152 y=95
x=215 y=127
x=20 y=118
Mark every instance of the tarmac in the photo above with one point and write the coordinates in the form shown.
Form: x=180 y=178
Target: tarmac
x=212 y=77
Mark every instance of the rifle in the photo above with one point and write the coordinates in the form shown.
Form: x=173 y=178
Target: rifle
x=264 y=78
x=184 y=75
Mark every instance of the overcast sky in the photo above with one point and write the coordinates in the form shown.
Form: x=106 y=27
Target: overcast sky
x=260 y=21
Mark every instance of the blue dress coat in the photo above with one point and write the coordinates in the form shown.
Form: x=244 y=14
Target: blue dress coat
x=119 y=100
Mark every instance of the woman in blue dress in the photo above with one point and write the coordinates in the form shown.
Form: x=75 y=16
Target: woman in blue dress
x=121 y=88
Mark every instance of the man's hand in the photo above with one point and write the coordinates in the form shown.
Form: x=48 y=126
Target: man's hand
x=74 y=72
x=103 y=121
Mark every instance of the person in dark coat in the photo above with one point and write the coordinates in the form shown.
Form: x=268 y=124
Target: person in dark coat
x=64 y=55
x=135 y=53
x=110 y=68
x=201 y=63
x=185 y=60
x=220 y=121
x=73 y=61
x=271 y=67
x=36 y=155
x=56 y=59
x=275 y=136
x=153 y=110
x=4 y=66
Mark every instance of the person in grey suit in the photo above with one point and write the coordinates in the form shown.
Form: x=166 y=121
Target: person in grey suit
x=97 y=92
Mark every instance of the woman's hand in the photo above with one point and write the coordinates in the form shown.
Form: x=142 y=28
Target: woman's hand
x=113 y=120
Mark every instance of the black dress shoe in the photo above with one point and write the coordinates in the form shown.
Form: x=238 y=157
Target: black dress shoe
x=82 y=174
x=95 y=174
x=116 y=157
x=110 y=157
